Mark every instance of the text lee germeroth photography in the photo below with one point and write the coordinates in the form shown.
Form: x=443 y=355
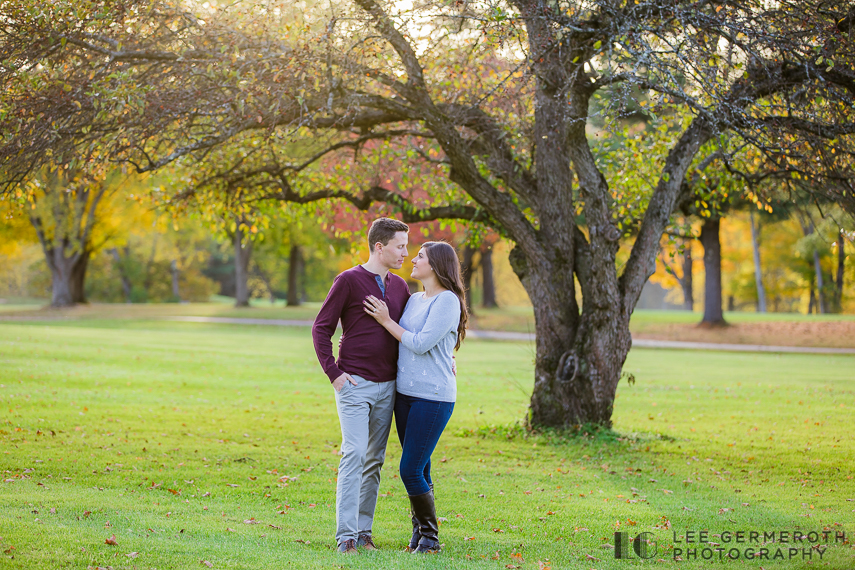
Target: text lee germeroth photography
x=729 y=545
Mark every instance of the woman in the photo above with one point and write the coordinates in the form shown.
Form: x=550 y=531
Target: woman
x=432 y=327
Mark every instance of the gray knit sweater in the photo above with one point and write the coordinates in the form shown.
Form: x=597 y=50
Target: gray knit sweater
x=424 y=356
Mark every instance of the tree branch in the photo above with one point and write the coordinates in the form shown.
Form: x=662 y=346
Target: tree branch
x=409 y=212
x=642 y=259
x=384 y=24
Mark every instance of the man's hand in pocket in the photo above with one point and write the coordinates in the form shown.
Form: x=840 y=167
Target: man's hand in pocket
x=339 y=382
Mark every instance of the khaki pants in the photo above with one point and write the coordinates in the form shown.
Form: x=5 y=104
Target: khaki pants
x=365 y=414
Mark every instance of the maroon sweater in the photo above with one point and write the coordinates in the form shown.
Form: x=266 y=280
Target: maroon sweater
x=366 y=349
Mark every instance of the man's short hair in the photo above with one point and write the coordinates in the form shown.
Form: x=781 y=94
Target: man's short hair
x=383 y=230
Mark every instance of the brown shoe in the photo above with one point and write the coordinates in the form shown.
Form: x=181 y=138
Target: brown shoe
x=347 y=547
x=366 y=542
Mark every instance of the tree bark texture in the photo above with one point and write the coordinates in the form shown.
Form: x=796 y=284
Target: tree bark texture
x=710 y=239
x=68 y=277
x=841 y=266
x=758 y=269
x=488 y=299
x=466 y=267
x=295 y=272
x=243 y=252
x=686 y=282
x=820 y=284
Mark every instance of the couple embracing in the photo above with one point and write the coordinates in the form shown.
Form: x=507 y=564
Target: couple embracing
x=395 y=355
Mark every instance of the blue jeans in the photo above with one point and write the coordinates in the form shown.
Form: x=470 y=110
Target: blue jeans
x=420 y=423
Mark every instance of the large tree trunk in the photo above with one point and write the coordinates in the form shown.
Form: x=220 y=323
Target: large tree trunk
x=295 y=271
x=466 y=267
x=686 y=282
x=710 y=240
x=841 y=266
x=578 y=358
x=758 y=271
x=243 y=252
x=123 y=274
x=68 y=276
x=64 y=218
x=820 y=284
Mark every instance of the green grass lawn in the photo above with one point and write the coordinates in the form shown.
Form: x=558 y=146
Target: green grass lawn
x=218 y=443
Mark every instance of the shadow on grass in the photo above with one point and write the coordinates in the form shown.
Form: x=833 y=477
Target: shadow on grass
x=585 y=434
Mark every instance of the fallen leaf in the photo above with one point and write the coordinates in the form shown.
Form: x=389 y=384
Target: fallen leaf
x=232 y=485
x=112 y=541
x=206 y=563
x=230 y=529
x=469 y=538
x=132 y=554
x=594 y=558
x=250 y=521
x=174 y=492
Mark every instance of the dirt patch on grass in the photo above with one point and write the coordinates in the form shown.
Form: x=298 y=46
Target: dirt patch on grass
x=834 y=334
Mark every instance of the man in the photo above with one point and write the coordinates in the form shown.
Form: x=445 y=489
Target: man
x=363 y=377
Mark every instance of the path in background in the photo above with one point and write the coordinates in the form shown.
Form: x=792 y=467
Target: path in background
x=769 y=331
x=502 y=335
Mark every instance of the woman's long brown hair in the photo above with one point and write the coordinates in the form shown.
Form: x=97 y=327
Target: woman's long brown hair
x=446 y=266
